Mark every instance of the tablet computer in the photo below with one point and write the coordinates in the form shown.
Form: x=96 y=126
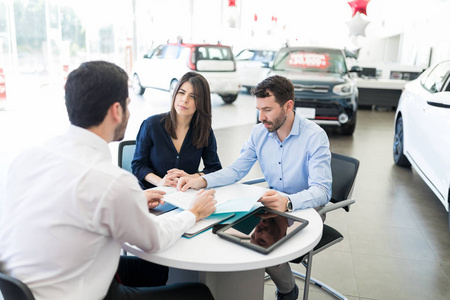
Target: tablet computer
x=263 y=229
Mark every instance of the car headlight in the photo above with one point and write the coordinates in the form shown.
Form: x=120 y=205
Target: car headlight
x=345 y=89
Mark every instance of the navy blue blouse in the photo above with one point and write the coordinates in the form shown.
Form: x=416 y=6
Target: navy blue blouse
x=156 y=153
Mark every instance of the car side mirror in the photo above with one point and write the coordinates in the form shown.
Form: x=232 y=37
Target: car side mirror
x=356 y=69
x=441 y=99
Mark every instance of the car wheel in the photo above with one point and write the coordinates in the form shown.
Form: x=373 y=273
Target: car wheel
x=136 y=85
x=348 y=129
x=173 y=85
x=399 y=157
x=228 y=99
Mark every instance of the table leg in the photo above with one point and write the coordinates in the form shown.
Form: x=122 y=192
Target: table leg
x=239 y=285
x=308 y=276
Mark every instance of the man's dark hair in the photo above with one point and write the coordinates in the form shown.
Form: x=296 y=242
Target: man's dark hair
x=92 y=89
x=281 y=87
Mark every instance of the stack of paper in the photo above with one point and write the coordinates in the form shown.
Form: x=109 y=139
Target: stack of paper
x=230 y=198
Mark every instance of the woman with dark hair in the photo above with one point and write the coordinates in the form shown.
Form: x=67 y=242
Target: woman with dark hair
x=171 y=145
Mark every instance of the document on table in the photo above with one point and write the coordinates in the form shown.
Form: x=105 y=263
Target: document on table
x=230 y=198
x=201 y=225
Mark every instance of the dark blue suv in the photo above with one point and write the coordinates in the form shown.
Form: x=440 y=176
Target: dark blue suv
x=324 y=90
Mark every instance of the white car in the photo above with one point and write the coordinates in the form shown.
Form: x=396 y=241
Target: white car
x=422 y=129
x=252 y=66
x=162 y=68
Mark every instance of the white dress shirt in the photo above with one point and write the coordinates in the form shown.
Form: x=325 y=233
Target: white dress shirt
x=68 y=211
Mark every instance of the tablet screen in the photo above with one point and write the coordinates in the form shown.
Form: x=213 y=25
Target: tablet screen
x=263 y=229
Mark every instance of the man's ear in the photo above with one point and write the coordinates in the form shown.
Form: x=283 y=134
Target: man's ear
x=116 y=112
x=289 y=105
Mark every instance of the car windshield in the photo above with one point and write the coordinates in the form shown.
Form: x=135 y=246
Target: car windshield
x=310 y=60
x=256 y=55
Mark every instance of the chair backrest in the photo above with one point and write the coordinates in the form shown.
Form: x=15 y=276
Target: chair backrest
x=126 y=154
x=14 y=289
x=344 y=169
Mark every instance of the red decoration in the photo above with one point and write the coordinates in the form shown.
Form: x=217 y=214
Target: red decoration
x=358 y=6
x=274 y=19
x=231 y=3
x=255 y=17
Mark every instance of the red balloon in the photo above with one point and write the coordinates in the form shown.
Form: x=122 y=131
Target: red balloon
x=358 y=6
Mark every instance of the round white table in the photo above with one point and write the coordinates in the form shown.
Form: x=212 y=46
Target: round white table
x=229 y=270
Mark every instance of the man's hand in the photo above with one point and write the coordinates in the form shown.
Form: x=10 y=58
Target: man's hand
x=272 y=199
x=196 y=183
x=203 y=204
x=154 y=197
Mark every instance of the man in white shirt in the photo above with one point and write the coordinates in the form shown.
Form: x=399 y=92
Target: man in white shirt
x=69 y=209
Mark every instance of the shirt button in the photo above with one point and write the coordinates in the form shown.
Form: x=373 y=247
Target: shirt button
x=281 y=179
x=279 y=162
x=281 y=146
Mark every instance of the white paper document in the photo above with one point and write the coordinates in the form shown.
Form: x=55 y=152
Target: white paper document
x=200 y=225
x=230 y=198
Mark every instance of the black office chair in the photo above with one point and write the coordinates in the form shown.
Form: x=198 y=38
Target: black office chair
x=344 y=170
x=126 y=154
x=14 y=289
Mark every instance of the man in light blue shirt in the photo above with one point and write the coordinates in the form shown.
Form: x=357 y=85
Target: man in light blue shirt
x=294 y=155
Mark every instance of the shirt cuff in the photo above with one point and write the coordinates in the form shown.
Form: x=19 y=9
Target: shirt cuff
x=188 y=218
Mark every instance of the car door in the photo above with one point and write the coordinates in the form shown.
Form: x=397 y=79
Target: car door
x=150 y=64
x=437 y=114
x=161 y=66
x=427 y=123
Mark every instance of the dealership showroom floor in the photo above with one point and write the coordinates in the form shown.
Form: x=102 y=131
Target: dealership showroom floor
x=396 y=239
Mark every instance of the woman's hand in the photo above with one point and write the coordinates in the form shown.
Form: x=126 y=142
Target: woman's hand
x=168 y=180
x=175 y=174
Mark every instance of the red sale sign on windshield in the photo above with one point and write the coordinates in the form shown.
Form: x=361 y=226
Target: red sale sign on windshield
x=310 y=60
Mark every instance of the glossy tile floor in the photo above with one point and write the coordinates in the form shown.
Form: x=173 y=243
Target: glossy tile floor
x=396 y=241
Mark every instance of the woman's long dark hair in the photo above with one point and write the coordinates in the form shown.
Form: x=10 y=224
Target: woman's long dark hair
x=201 y=120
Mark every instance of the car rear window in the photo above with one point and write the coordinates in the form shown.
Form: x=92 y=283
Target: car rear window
x=311 y=60
x=214 y=53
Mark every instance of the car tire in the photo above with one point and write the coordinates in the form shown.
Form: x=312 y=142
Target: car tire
x=229 y=98
x=173 y=85
x=348 y=129
x=136 y=85
x=399 y=157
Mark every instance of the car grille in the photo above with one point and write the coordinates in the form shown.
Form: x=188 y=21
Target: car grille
x=311 y=88
x=324 y=111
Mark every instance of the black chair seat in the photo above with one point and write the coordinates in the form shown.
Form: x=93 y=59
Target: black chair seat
x=329 y=236
x=14 y=289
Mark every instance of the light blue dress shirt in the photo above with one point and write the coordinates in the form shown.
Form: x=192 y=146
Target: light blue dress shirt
x=299 y=166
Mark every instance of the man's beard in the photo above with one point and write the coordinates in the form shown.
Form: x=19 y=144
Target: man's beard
x=279 y=121
x=119 y=133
